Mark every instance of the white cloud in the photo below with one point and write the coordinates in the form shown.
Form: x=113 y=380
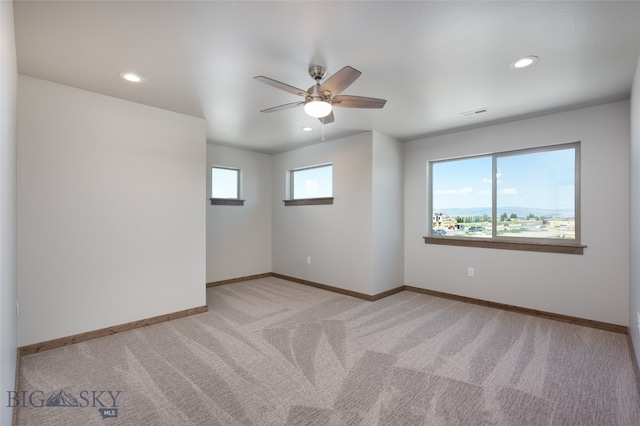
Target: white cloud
x=509 y=191
x=498 y=176
x=464 y=190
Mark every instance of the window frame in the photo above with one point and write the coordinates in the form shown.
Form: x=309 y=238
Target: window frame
x=230 y=201
x=290 y=185
x=573 y=246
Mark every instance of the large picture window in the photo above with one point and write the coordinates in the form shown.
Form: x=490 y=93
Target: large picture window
x=526 y=195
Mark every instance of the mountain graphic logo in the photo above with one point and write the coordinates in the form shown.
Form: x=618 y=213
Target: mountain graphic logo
x=62 y=399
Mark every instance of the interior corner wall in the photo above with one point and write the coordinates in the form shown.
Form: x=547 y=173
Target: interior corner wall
x=387 y=213
x=592 y=286
x=8 y=273
x=111 y=214
x=239 y=237
x=634 y=232
x=336 y=237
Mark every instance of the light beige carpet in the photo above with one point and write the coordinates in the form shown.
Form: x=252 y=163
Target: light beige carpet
x=272 y=352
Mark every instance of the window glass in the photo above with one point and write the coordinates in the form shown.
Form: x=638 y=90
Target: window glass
x=462 y=197
x=312 y=182
x=225 y=182
x=527 y=194
x=535 y=195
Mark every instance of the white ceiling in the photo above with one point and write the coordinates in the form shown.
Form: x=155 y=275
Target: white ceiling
x=430 y=60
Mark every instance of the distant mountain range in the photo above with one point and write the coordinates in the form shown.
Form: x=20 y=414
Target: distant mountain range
x=522 y=212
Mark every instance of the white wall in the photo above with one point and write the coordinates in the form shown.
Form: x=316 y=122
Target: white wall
x=387 y=213
x=634 y=293
x=338 y=237
x=592 y=286
x=356 y=243
x=8 y=280
x=239 y=237
x=111 y=215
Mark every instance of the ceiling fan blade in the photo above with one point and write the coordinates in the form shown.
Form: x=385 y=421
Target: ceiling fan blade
x=280 y=85
x=340 y=81
x=346 y=101
x=285 y=106
x=328 y=119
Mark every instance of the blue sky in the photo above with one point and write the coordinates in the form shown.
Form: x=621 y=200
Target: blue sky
x=313 y=182
x=224 y=183
x=542 y=180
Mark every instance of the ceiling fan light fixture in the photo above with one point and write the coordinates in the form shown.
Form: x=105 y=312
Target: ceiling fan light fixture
x=317 y=108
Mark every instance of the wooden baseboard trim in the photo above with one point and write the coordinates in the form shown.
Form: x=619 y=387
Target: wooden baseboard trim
x=517 y=309
x=387 y=293
x=526 y=311
x=368 y=297
x=634 y=360
x=89 y=335
x=237 y=280
x=323 y=286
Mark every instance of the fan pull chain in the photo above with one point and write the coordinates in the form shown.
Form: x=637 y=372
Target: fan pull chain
x=322 y=132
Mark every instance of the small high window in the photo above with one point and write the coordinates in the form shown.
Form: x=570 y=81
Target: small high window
x=225 y=186
x=311 y=185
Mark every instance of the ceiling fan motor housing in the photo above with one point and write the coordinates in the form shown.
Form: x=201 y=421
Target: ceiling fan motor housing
x=315 y=95
x=317 y=72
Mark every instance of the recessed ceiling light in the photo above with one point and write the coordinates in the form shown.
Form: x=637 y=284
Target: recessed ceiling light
x=307 y=129
x=525 y=61
x=129 y=76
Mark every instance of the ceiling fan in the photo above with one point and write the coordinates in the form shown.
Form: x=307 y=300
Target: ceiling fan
x=320 y=99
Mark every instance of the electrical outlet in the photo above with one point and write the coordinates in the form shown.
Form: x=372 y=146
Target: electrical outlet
x=470 y=272
x=309 y=260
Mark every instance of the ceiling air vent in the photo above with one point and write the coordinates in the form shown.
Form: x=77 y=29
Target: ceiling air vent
x=474 y=112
